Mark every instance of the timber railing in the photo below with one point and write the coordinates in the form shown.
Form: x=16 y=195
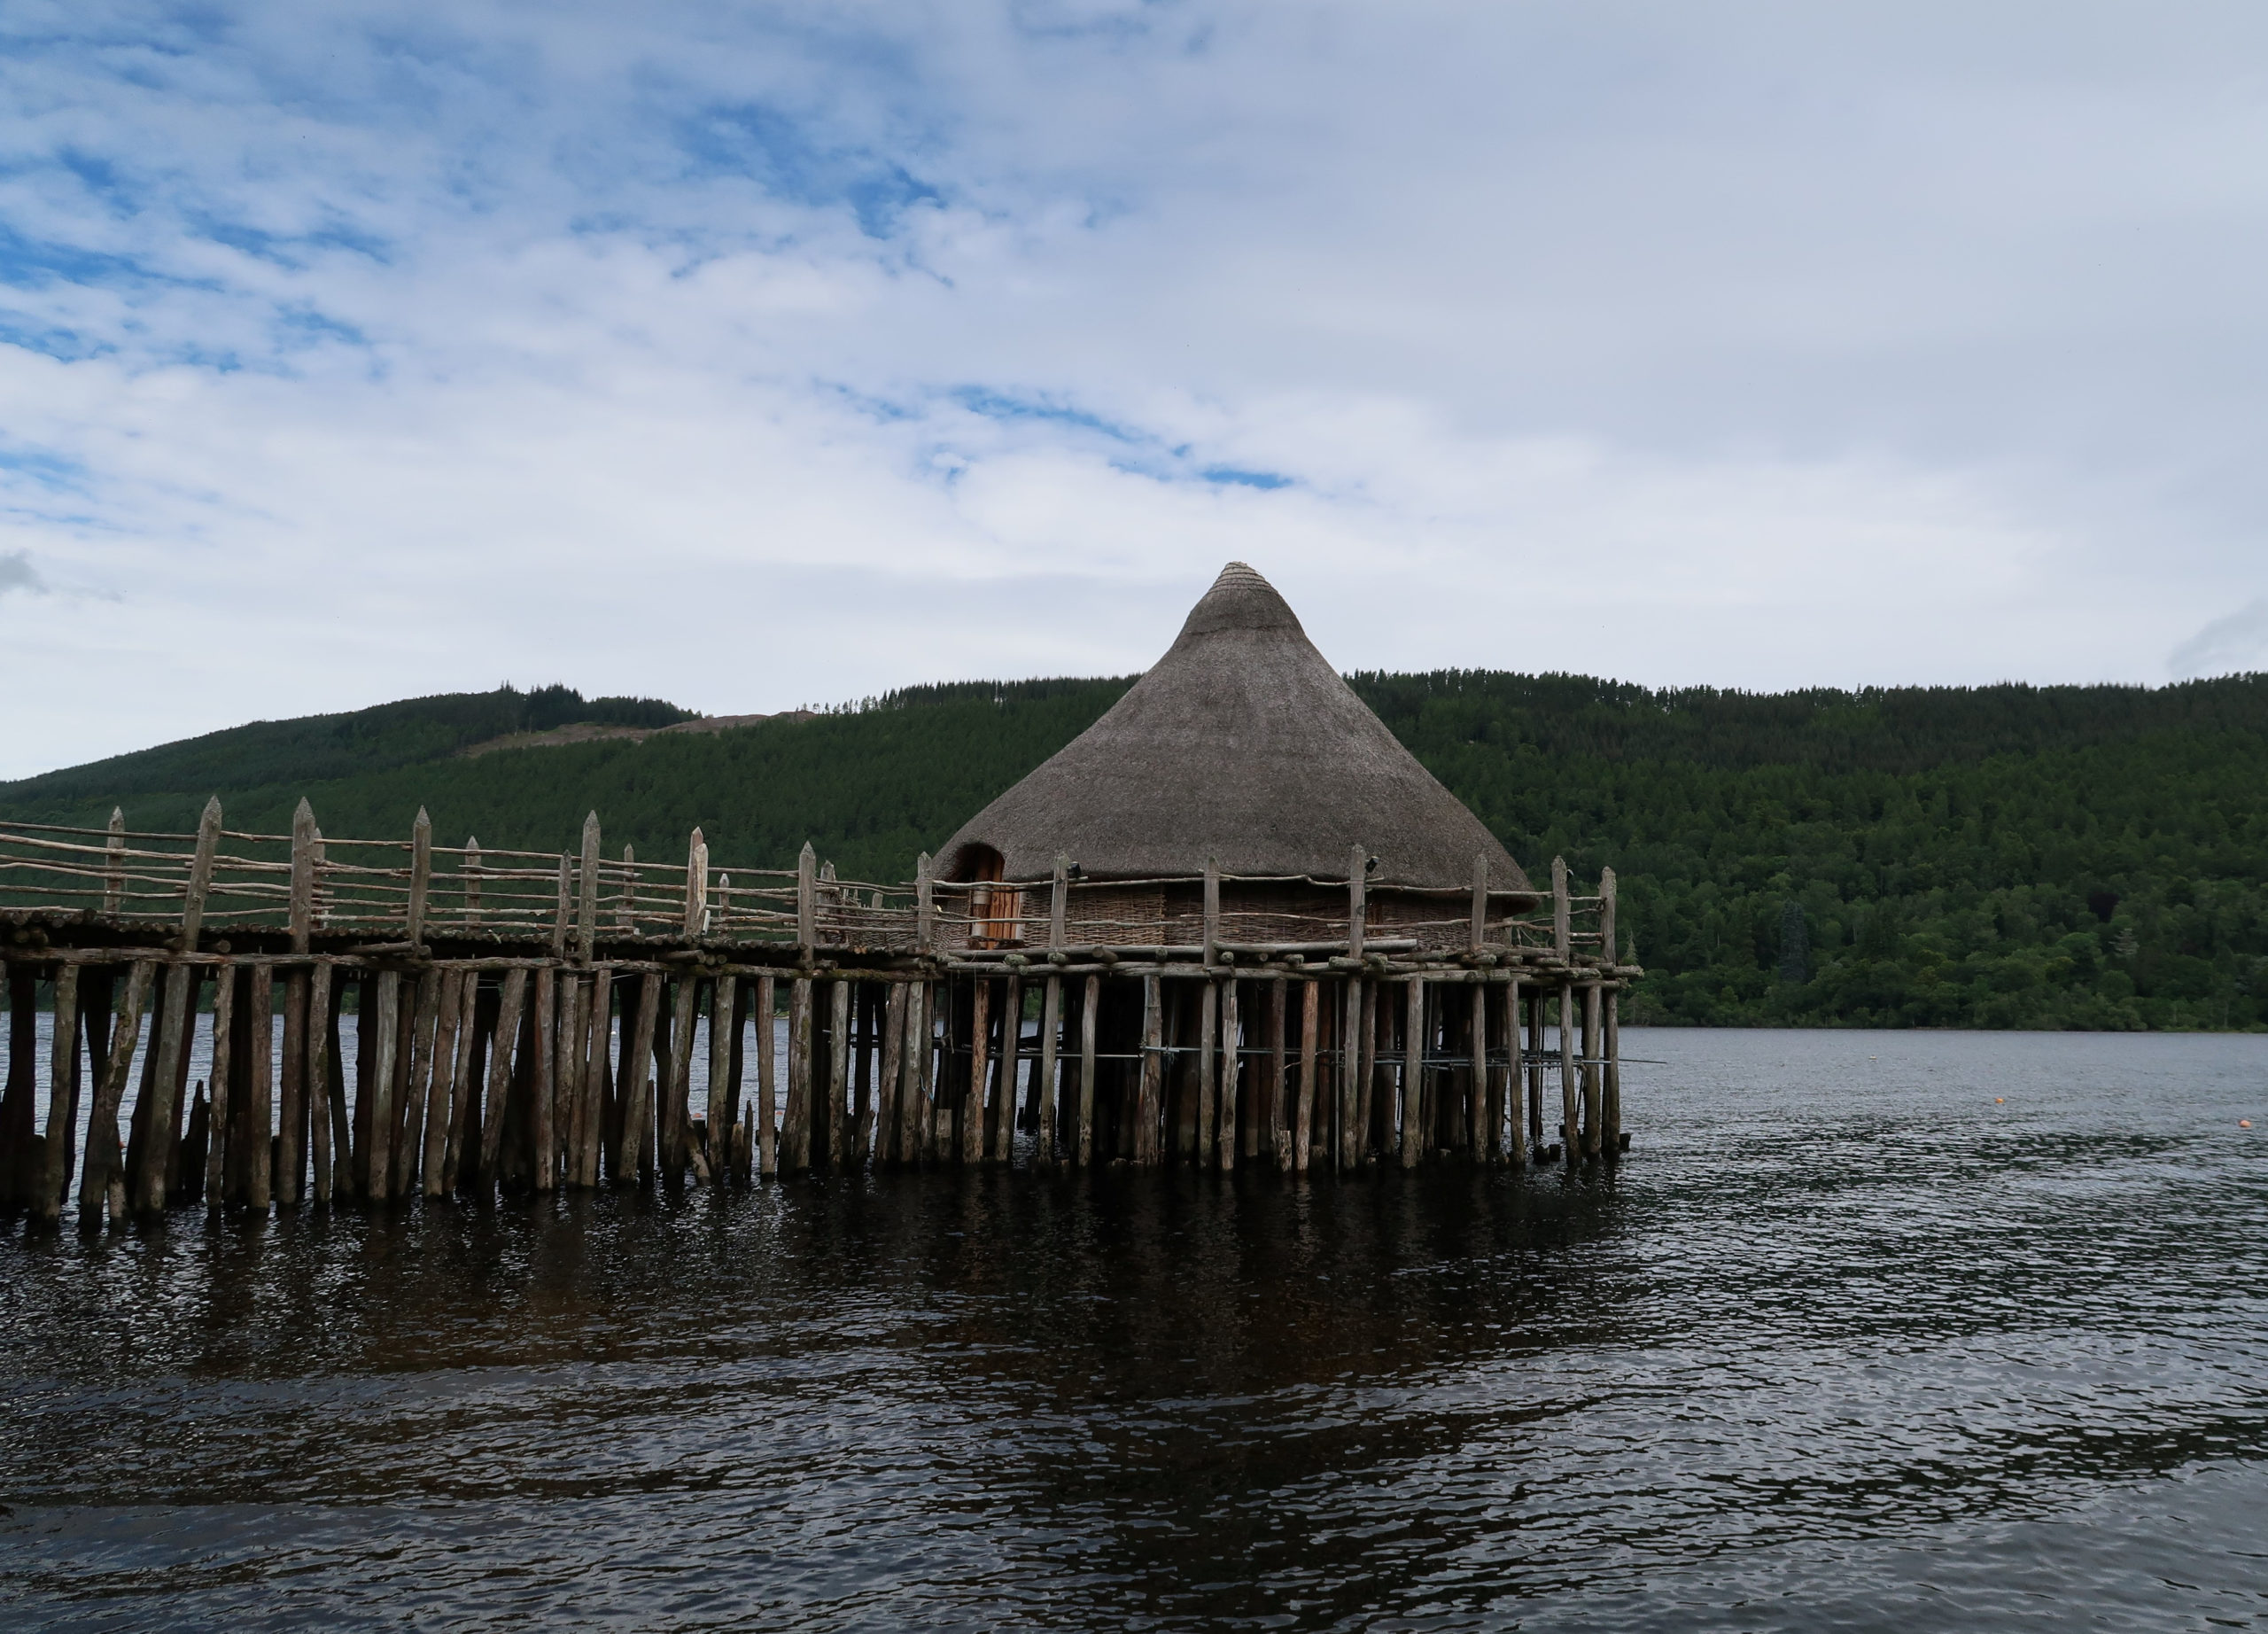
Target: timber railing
x=411 y=891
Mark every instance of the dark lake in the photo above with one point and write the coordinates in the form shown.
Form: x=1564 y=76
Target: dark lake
x=1843 y=1343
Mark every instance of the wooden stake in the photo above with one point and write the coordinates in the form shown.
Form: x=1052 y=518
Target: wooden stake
x=1480 y=1129
x=1212 y=911
x=292 y=1098
x=560 y=910
x=1011 y=1047
x=980 y=1063
x=1562 y=921
x=724 y=1109
x=677 y=1107
x=767 y=1099
x=889 y=1078
x=1225 y=1145
x=806 y=900
x=1569 y=1136
x=158 y=1117
x=587 y=907
x=543 y=1137
x=259 y=1107
x=1591 y=1108
x=323 y=1076
x=696 y=885
x=503 y=1041
x=637 y=1084
x=925 y=908
x=1515 y=1114
x=460 y=1018
x=62 y=1099
x=1613 y=1072
x=1150 y=1110
x=409 y=1147
x=1279 y=1127
x=1413 y=1072
x=421 y=873
x=114 y=864
x=1358 y=875
x=1091 y=1003
x=795 y=1136
x=1208 y=1029
x=1310 y=1015
x=838 y=1070
x=1606 y=952
x=1353 y=1030
x=1051 y=1024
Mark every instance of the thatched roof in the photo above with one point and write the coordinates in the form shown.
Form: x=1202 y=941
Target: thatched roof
x=1242 y=744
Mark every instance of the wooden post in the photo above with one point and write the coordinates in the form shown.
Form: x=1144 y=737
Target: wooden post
x=625 y=900
x=806 y=900
x=1515 y=1115
x=795 y=1137
x=1207 y=1071
x=175 y=1005
x=374 y=1095
x=638 y=1082
x=1366 y=1095
x=1310 y=1060
x=259 y=1107
x=838 y=1068
x=1591 y=1108
x=1051 y=1021
x=200 y=874
x=1280 y=1128
x=1480 y=899
x=114 y=864
x=1613 y=1070
x=1352 y=1032
x=1480 y=1130
x=1058 y=903
x=452 y=1051
x=1225 y=1146
x=302 y=911
x=322 y=1078
x=1535 y=1003
x=677 y=1097
x=913 y=1066
x=409 y=1148
x=925 y=907
x=543 y=1137
x=293 y=1114
x=1606 y=954
x=1571 y=1143
x=586 y=905
x=62 y=1100
x=1012 y=1048
x=1212 y=910
x=509 y=1009
x=562 y=909
x=1150 y=1111
x=1413 y=1072
x=724 y=1090
x=882 y=1135
x=1090 y=1004
x=421 y=873
x=980 y=1044
x=1358 y=875
x=579 y=1068
x=696 y=885
x=1562 y=913
x=767 y=1101
x=471 y=879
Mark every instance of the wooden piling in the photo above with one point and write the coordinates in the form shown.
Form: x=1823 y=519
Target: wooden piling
x=724 y=1112
x=796 y=1135
x=838 y=1072
x=676 y=1131
x=1480 y=1130
x=504 y=1042
x=451 y=1065
x=1012 y=1050
x=1413 y=1072
x=1207 y=1087
x=767 y=1101
x=1225 y=1146
x=1570 y=1134
x=638 y=1080
x=1311 y=1062
x=1514 y=1116
x=1591 y=1108
x=1051 y=1021
x=1613 y=1070
x=1089 y=1006
x=1150 y=1111
x=409 y=1135
x=1279 y=1127
x=62 y=1099
x=260 y=1104
x=880 y=1136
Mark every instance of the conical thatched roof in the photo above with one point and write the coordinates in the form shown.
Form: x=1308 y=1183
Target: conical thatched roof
x=1244 y=745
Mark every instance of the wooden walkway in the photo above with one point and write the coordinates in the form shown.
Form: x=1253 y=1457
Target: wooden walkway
x=454 y=1022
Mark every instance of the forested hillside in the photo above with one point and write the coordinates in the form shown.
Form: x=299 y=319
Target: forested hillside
x=2003 y=856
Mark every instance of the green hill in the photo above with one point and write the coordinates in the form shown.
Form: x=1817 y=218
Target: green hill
x=2001 y=856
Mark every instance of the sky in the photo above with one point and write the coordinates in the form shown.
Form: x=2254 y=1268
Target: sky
x=758 y=356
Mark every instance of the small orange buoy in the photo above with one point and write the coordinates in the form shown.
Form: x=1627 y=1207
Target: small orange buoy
x=2244 y=1123
x=1999 y=1101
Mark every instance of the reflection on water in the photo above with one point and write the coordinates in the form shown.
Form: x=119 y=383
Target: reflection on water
x=1842 y=1340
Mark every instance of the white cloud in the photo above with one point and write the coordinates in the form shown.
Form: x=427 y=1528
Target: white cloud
x=2228 y=646
x=753 y=358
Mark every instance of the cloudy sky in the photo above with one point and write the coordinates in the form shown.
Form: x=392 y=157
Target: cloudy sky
x=758 y=354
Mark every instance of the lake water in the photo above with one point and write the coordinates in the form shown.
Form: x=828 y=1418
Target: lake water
x=1844 y=1342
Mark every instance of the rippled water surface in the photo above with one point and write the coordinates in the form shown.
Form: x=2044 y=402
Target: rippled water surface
x=1843 y=1342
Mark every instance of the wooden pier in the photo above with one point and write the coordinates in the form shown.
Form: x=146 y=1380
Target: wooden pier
x=530 y=1021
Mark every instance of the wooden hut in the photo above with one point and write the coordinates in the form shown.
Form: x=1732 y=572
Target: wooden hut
x=1244 y=751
